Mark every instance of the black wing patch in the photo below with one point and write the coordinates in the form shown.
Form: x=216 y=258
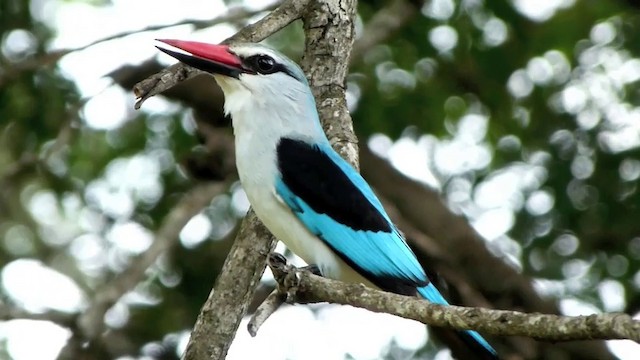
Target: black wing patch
x=316 y=179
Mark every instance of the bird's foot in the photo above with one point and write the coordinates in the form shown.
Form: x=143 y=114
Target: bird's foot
x=276 y=260
x=288 y=276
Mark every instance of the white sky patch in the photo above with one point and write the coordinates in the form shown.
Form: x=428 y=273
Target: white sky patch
x=107 y=110
x=575 y=307
x=305 y=340
x=78 y=24
x=541 y=10
x=495 y=32
x=612 y=295
x=494 y=223
x=43 y=206
x=519 y=84
x=239 y=201
x=142 y=178
x=117 y=316
x=499 y=190
x=380 y=144
x=439 y=9
x=444 y=38
x=38 y=288
x=89 y=251
x=624 y=349
x=113 y=202
x=197 y=230
x=540 y=202
x=455 y=157
x=130 y=236
x=26 y=339
x=412 y=160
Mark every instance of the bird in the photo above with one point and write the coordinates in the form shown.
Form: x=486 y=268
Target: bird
x=303 y=191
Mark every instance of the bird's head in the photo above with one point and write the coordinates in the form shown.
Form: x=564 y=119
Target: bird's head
x=258 y=82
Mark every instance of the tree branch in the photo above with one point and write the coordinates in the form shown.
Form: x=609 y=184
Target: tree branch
x=304 y=287
x=329 y=30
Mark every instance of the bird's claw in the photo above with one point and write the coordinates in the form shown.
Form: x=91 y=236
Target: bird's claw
x=288 y=276
x=276 y=260
x=285 y=275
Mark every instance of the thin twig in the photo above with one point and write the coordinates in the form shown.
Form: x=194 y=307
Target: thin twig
x=277 y=298
x=269 y=306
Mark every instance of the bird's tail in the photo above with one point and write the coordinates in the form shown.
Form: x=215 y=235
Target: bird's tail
x=474 y=340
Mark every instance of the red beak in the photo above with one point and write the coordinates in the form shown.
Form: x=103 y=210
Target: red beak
x=216 y=59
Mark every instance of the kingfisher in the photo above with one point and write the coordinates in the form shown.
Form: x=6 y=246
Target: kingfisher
x=301 y=189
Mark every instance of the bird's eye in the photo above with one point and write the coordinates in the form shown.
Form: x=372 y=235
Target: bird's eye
x=264 y=64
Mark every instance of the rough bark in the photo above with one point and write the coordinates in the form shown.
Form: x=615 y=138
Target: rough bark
x=329 y=30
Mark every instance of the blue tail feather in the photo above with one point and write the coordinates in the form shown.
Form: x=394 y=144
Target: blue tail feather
x=432 y=294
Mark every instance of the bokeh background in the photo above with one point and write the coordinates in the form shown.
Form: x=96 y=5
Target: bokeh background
x=522 y=115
